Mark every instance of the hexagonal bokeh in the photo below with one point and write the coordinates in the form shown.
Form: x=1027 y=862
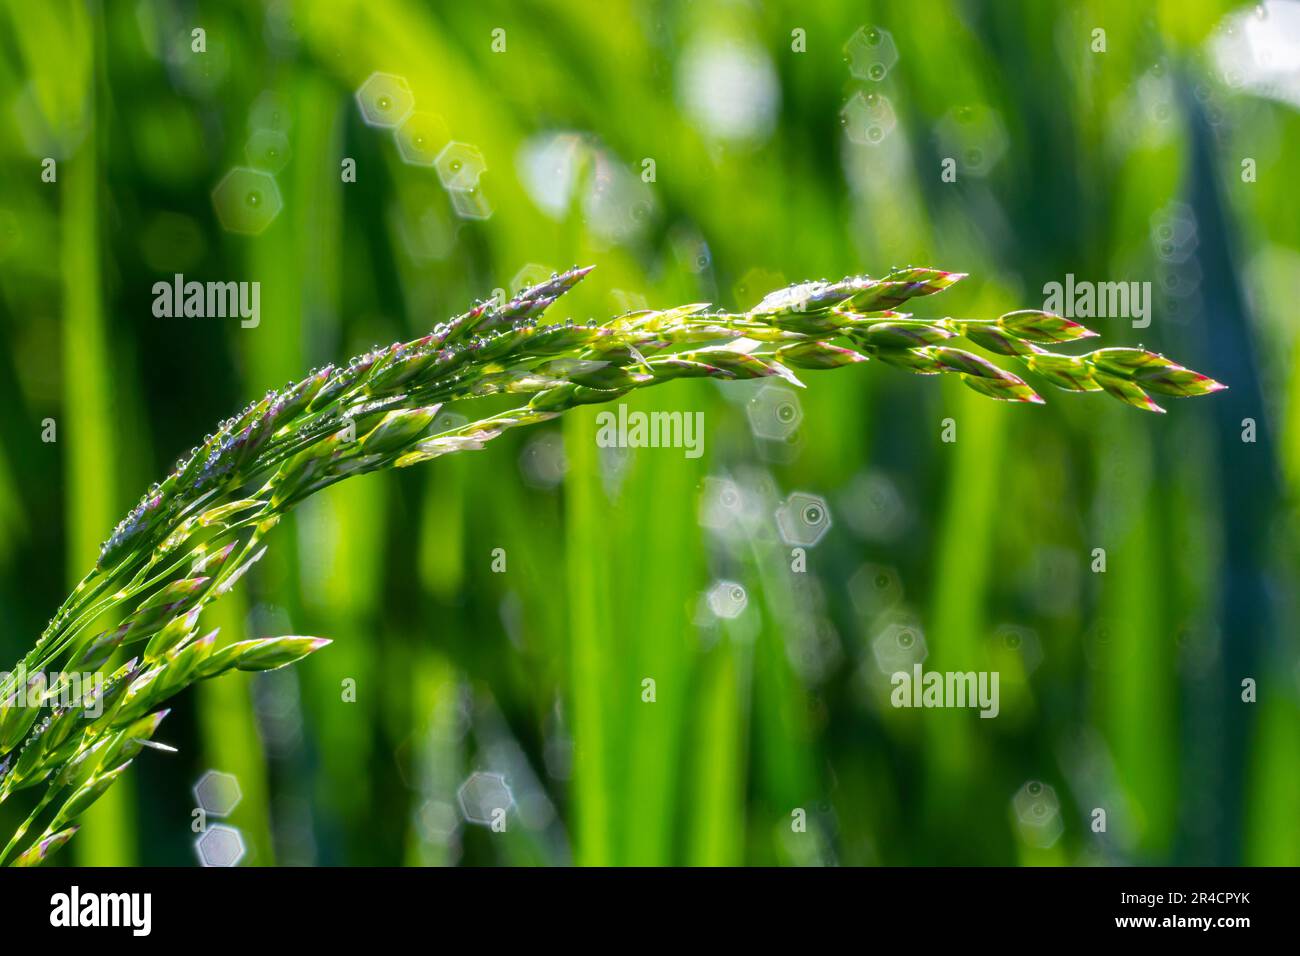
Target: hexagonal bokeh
x=437 y=821
x=974 y=136
x=267 y=149
x=803 y=519
x=470 y=203
x=875 y=589
x=723 y=506
x=873 y=507
x=774 y=413
x=1034 y=801
x=783 y=452
x=385 y=100
x=217 y=793
x=247 y=200
x=1174 y=233
x=482 y=794
x=1181 y=279
x=640 y=212
x=1157 y=99
x=898 y=646
x=868 y=118
x=727 y=599
x=1038 y=814
x=871 y=53
x=460 y=165
x=542 y=461
x=530 y=275
x=220 y=845
x=269 y=111
x=420 y=138
x=616 y=205
x=1021 y=641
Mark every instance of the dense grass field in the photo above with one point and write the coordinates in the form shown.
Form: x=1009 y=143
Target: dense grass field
x=552 y=651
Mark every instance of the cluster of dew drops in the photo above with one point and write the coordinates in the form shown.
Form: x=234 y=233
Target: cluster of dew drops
x=217 y=445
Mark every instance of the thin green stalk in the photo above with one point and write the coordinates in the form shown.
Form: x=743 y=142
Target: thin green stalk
x=589 y=609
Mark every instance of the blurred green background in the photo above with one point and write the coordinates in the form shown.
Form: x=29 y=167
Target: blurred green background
x=785 y=141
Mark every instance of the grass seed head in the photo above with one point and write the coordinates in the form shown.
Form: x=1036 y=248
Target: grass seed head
x=194 y=534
